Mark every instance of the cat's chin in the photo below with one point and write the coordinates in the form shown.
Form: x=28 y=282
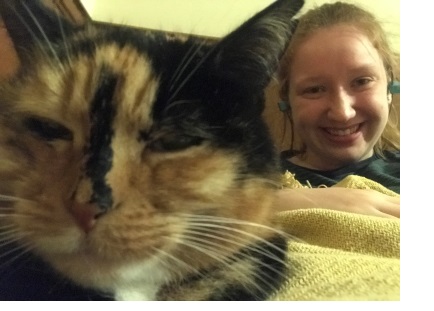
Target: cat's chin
x=122 y=279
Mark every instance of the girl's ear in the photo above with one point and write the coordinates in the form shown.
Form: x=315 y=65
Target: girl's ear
x=32 y=24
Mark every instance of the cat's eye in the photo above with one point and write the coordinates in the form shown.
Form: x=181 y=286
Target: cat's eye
x=47 y=129
x=174 y=142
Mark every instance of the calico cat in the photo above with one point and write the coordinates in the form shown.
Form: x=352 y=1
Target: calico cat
x=136 y=163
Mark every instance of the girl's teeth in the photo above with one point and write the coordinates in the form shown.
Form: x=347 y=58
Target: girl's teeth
x=343 y=132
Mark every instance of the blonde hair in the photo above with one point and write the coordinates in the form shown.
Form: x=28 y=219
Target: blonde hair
x=331 y=14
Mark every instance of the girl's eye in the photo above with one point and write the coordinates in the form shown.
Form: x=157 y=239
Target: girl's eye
x=314 y=89
x=362 y=82
x=48 y=130
x=313 y=92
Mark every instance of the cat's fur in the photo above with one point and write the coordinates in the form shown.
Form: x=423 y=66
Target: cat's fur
x=137 y=163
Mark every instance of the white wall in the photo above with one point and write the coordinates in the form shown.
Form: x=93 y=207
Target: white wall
x=215 y=17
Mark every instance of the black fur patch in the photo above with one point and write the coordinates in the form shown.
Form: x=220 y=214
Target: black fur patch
x=269 y=273
x=102 y=113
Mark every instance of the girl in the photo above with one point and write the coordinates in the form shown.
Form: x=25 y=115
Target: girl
x=335 y=80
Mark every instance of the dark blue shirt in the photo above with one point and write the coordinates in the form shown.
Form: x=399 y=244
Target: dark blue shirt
x=385 y=171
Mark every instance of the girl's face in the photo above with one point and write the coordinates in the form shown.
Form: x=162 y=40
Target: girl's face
x=338 y=96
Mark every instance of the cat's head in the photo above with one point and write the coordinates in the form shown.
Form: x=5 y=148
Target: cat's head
x=124 y=150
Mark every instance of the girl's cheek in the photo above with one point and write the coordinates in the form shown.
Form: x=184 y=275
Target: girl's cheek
x=308 y=107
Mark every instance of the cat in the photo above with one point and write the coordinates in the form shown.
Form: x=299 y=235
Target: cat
x=136 y=163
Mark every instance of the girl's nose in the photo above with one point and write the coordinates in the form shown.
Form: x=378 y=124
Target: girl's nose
x=341 y=106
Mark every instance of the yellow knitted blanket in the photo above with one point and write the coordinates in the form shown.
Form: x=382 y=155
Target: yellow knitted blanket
x=341 y=256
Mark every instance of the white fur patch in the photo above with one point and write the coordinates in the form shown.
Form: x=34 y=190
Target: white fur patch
x=140 y=281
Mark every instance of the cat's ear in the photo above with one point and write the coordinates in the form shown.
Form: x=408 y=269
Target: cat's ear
x=250 y=55
x=30 y=23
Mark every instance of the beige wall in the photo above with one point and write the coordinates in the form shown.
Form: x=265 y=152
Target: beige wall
x=215 y=17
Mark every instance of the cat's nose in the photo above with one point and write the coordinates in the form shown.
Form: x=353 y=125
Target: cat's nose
x=85 y=214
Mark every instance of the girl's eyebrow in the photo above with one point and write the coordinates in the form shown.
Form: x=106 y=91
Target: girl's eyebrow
x=309 y=79
x=368 y=67
x=364 y=67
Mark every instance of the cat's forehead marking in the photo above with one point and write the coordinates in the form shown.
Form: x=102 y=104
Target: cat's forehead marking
x=102 y=113
x=137 y=82
x=122 y=102
x=66 y=95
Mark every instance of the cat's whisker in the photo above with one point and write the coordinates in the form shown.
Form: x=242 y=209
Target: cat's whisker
x=11 y=240
x=44 y=35
x=32 y=33
x=192 y=72
x=210 y=249
x=266 y=253
x=7 y=226
x=12 y=235
x=249 y=248
x=8 y=198
x=8 y=231
x=29 y=29
x=64 y=39
x=179 y=102
x=200 y=243
x=203 y=224
x=243 y=242
x=186 y=60
x=168 y=259
x=6 y=211
x=209 y=219
x=277 y=184
x=176 y=103
x=19 y=250
x=231 y=235
x=267 y=279
x=11 y=214
x=207 y=250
